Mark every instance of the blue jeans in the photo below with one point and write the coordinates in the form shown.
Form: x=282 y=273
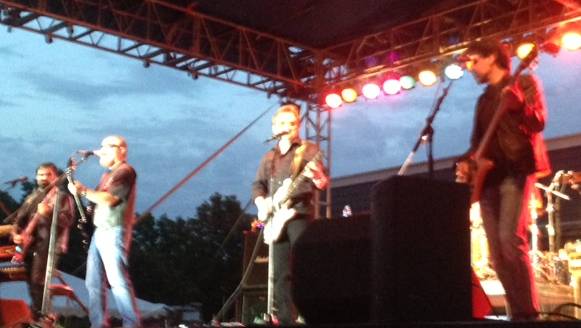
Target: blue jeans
x=506 y=215
x=107 y=261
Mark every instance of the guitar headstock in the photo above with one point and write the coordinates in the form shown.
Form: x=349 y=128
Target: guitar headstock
x=529 y=61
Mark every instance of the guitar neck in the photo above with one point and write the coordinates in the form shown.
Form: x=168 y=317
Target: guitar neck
x=502 y=108
x=299 y=178
x=294 y=185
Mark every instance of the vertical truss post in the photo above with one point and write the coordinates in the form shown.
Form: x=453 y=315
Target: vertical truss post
x=318 y=130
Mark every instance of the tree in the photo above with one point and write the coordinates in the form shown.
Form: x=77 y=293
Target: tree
x=7 y=205
x=188 y=260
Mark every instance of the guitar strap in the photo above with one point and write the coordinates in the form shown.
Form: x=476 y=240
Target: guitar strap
x=298 y=159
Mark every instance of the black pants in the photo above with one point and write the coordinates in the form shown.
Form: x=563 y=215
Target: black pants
x=284 y=308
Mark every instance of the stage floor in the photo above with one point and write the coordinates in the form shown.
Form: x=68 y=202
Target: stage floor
x=552 y=297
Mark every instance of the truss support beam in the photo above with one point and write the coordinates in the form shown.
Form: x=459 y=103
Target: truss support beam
x=443 y=34
x=177 y=36
x=153 y=31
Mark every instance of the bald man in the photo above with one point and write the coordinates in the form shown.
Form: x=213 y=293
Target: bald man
x=113 y=217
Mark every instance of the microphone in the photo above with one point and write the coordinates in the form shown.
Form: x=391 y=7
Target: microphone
x=13 y=183
x=276 y=136
x=85 y=153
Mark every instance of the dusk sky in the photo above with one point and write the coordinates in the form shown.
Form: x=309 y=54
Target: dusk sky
x=60 y=97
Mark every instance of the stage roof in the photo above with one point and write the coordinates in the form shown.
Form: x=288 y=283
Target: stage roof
x=295 y=49
x=324 y=23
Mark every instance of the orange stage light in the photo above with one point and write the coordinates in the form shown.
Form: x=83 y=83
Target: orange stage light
x=571 y=40
x=349 y=95
x=427 y=77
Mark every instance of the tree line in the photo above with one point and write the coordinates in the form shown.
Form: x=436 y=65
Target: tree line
x=175 y=261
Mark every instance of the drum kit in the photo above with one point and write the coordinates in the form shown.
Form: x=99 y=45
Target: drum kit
x=552 y=265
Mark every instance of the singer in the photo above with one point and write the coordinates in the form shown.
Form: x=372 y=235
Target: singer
x=113 y=217
x=289 y=159
x=31 y=231
x=516 y=156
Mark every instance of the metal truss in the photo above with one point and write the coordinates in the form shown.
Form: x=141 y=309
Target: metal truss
x=177 y=36
x=443 y=34
x=317 y=123
x=163 y=33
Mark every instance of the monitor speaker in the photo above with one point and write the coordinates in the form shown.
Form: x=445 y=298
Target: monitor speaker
x=420 y=241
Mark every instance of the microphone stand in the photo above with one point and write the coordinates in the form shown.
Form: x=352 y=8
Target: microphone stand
x=426 y=136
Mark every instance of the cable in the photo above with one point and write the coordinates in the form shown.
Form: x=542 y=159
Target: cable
x=238 y=289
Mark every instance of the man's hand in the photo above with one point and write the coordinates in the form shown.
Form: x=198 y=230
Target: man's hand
x=316 y=172
x=77 y=188
x=20 y=238
x=17 y=239
x=264 y=206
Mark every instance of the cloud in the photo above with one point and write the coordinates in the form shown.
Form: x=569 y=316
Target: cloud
x=7 y=52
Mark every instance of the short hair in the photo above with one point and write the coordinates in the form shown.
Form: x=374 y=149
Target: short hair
x=486 y=48
x=48 y=165
x=288 y=108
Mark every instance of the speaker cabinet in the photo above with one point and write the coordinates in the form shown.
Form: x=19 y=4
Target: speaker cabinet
x=420 y=241
x=252 y=305
x=330 y=271
x=259 y=274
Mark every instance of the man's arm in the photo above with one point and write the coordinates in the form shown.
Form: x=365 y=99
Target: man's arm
x=260 y=191
x=526 y=98
x=118 y=189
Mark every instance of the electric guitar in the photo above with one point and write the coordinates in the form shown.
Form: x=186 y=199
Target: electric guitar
x=279 y=212
x=485 y=165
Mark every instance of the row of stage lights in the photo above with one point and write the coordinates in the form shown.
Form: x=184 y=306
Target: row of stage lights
x=394 y=84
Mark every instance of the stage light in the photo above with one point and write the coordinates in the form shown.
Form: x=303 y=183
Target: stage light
x=391 y=86
x=454 y=71
x=571 y=40
x=370 y=90
x=349 y=95
x=427 y=77
x=524 y=49
x=333 y=100
x=407 y=82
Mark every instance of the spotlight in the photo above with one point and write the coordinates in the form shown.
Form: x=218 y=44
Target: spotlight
x=453 y=71
x=371 y=90
x=524 y=49
x=571 y=40
x=427 y=77
x=349 y=95
x=407 y=82
x=391 y=86
x=333 y=100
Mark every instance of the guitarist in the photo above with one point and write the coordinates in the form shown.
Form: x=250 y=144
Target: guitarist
x=31 y=231
x=287 y=159
x=517 y=156
x=113 y=217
